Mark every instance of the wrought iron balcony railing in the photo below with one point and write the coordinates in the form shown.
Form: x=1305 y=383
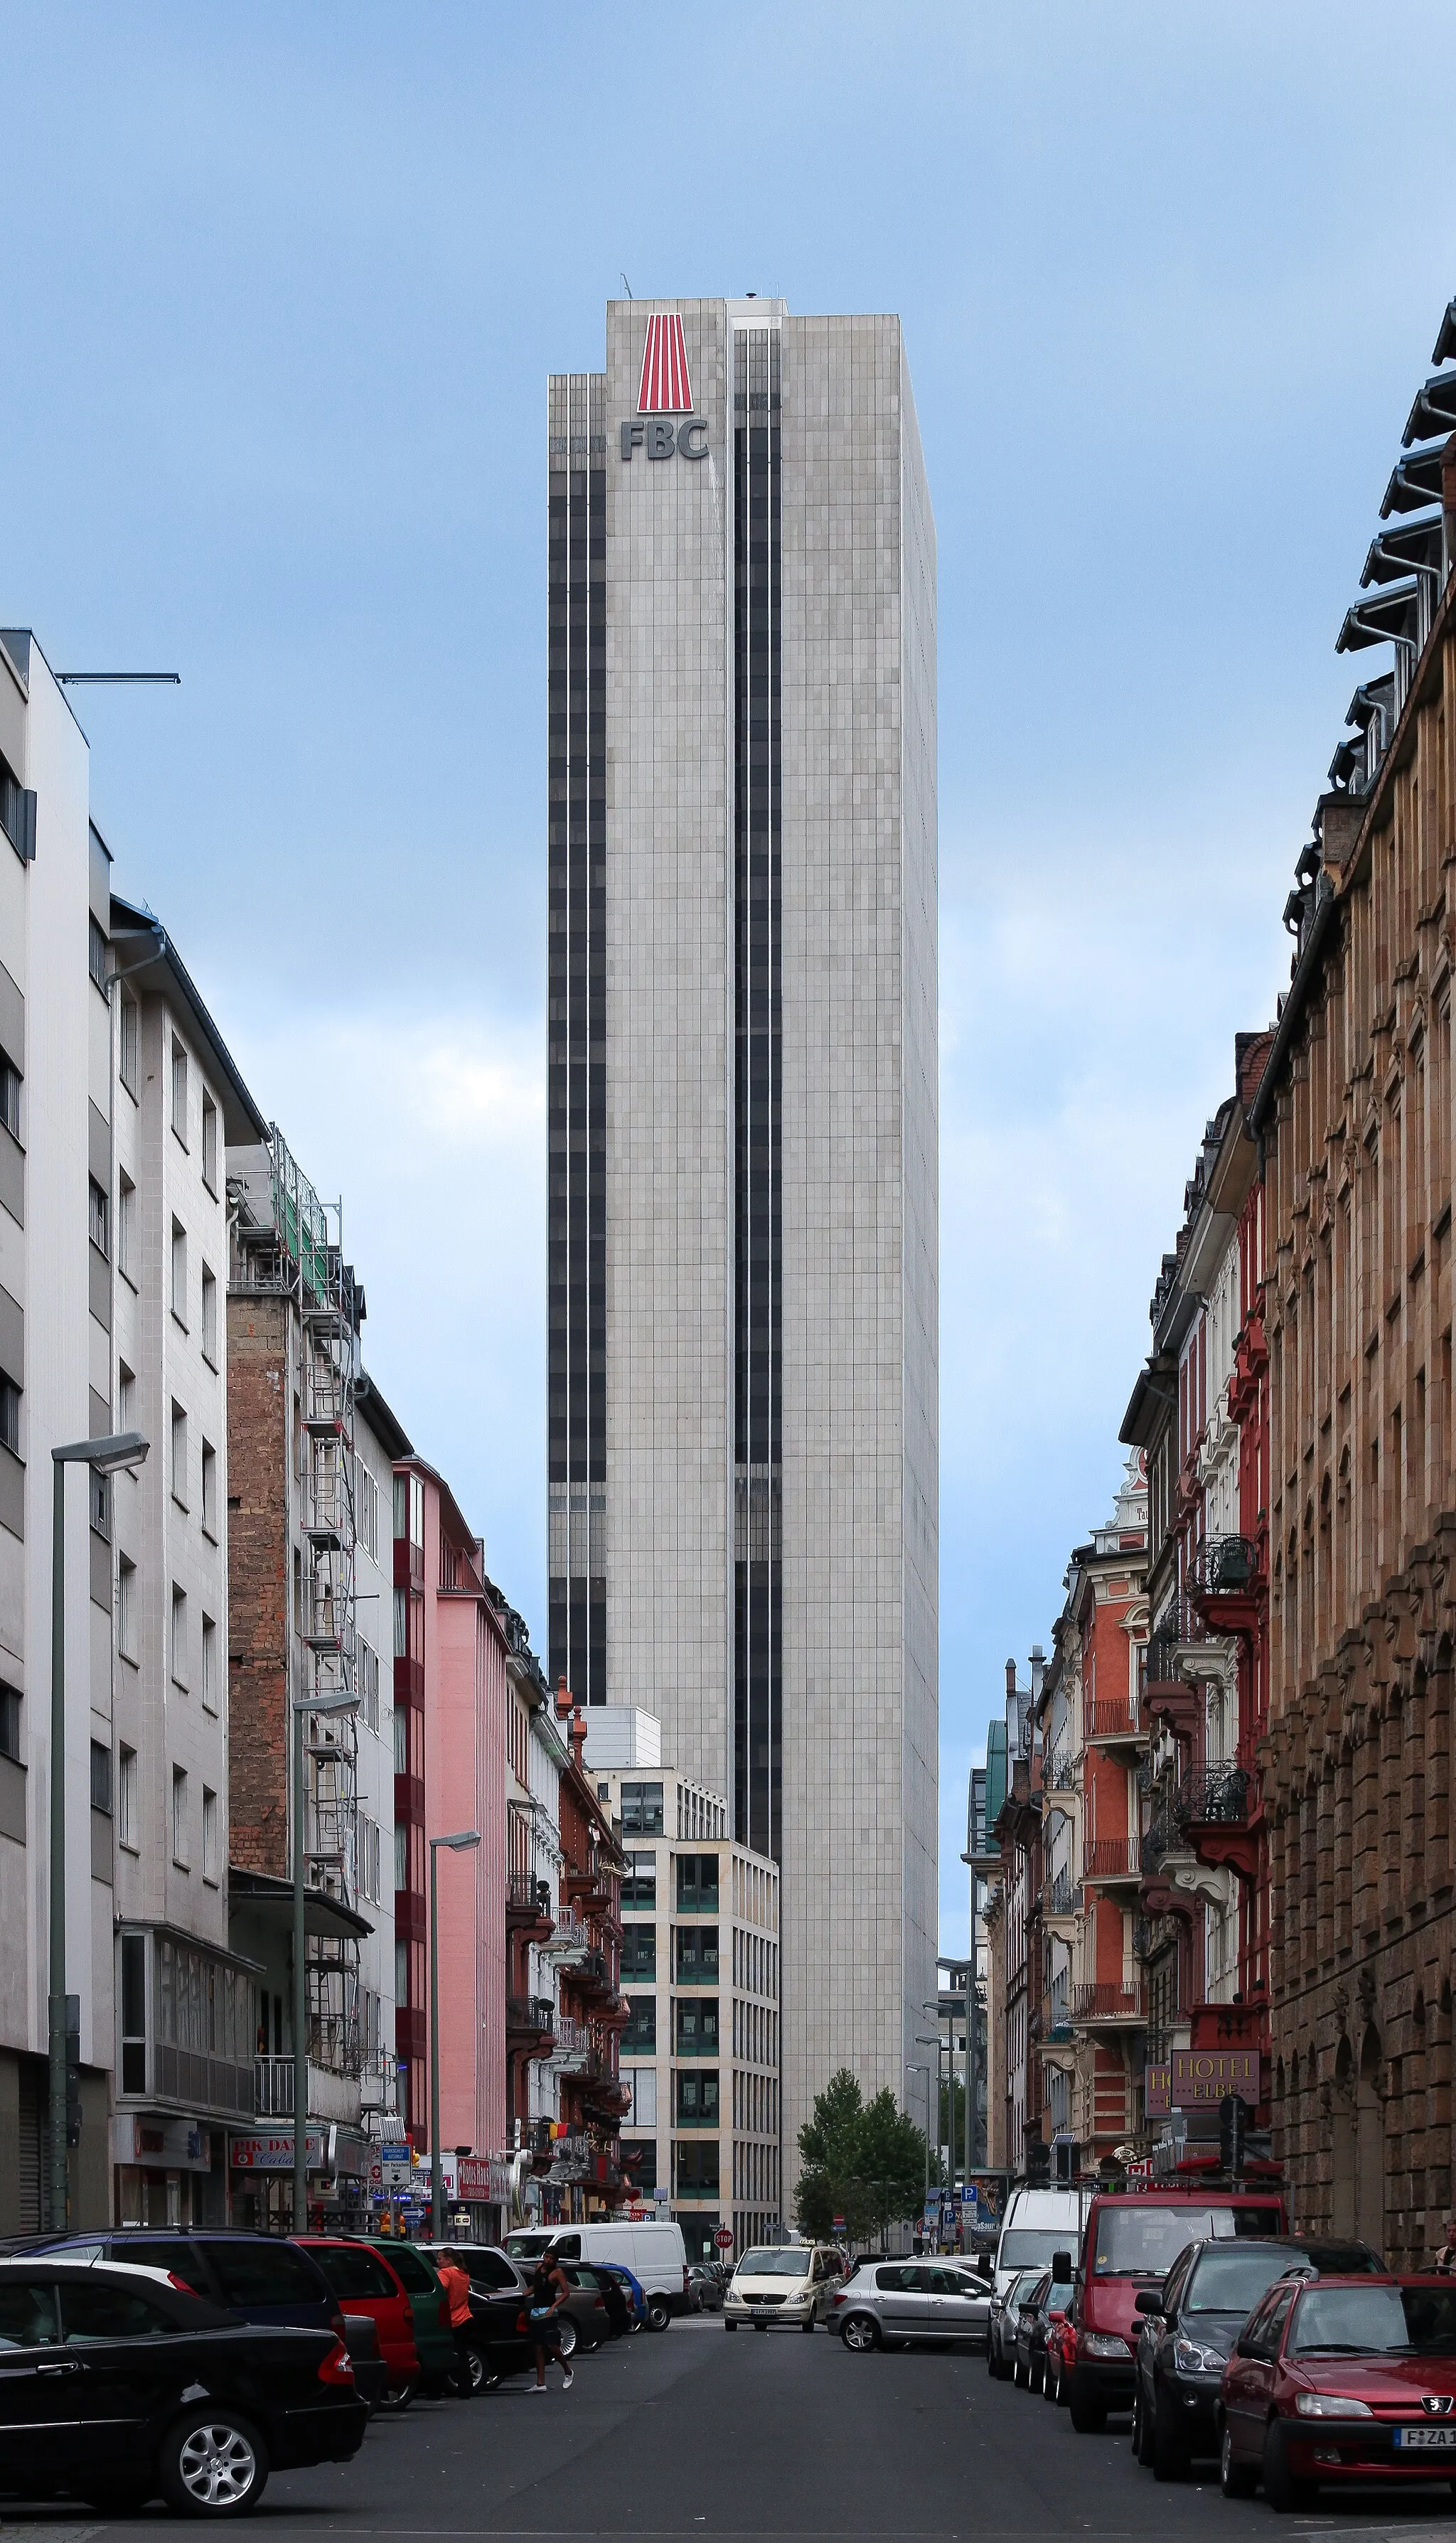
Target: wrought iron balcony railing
x=1223 y=1567
x=1215 y=1795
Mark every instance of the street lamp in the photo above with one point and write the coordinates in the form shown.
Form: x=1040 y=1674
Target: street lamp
x=302 y=1704
x=933 y=2040
x=925 y=2071
x=111 y=1455
x=459 y=1844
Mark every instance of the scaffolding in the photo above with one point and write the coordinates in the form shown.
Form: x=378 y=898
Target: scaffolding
x=289 y=1242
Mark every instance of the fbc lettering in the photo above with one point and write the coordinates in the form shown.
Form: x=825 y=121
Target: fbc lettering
x=657 y=436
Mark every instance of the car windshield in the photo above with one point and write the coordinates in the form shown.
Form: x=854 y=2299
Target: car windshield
x=777 y=2263
x=1233 y=2280
x=1389 y=2321
x=1028 y=2251
x=1143 y=2239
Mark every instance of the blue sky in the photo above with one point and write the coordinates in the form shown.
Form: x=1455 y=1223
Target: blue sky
x=282 y=285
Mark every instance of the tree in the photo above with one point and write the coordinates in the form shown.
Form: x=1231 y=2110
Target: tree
x=864 y=2162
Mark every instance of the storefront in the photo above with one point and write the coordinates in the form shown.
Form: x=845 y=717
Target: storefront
x=260 y=2170
x=168 y=2171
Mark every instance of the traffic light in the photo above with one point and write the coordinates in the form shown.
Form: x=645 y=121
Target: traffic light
x=1038 y=2163
x=73 y=2070
x=1233 y=2133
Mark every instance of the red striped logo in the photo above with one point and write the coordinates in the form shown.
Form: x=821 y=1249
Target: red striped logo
x=664 y=388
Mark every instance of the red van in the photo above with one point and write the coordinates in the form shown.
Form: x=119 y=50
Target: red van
x=1132 y=2241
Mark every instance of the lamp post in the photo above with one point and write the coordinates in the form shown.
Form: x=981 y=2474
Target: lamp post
x=458 y=1844
x=111 y=1456
x=925 y=2071
x=302 y=1704
x=933 y=2040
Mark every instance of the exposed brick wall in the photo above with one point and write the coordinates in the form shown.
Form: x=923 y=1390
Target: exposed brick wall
x=258 y=1584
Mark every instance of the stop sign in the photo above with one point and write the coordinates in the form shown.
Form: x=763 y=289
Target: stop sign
x=724 y=2238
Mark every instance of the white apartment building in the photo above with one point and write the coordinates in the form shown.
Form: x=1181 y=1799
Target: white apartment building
x=700 y=1971
x=185 y=2003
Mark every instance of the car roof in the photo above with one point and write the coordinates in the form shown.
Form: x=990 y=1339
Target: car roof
x=91 y=2270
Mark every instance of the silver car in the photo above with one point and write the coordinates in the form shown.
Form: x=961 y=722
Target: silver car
x=888 y=2304
x=1001 y=2325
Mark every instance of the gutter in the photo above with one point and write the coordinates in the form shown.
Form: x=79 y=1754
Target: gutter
x=1293 y=1009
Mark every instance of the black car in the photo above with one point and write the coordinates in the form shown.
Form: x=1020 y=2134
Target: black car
x=117 y=2387
x=1191 y=2324
x=1029 y=2346
x=256 y=2277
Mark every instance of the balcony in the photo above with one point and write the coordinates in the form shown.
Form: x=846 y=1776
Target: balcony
x=573 y=2046
x=527 y=1905
x=592 y=1976
x=1112 y=1724
x=530 y=2025
x=1224 y=1567
x=1215 y=1811
x=1108 y=1860
x=1062 y=1897
x=1099 y=2003
x=1059 y=1775
x=570 y=1940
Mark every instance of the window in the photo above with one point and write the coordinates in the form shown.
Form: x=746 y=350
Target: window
x=401 y=1744
x=125 y=1607
x=128 y=1044
x=697 y=1883
x=640 y=2038
x=209 y=1143
x=17 y=814
x=99 y=1502
x=640 y=1951
x=209 y=1665
x=178 y=1817
x=367 y=1678
x=641 y=1809
x=28 y=2316
x=400 y=1624
x=10 y=1096
x=697 y=2170
x=697 y=1956
x=178 y=1455
x=101 y=1776
x=179 y=1636
x=368 y=1509
x=408 y=1509
x=252 y=2272
x=209 y=1836
x=210 y=1317
x=179 y=1272
x=209 y=1488
x=134 y=2004
x=127 y=1227
x=640 y=1880
x=125 y=1397
x=99 y=1218
x=642 y=2083
x=127 y=1831
x=96 y=955
x=697 y=2101
x=640 y=2159
x=9 y=1721
x=401 y=1965
x=697 y=2025
x=10 y=1415
x=179 y=1090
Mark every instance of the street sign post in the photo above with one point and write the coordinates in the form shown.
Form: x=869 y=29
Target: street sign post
x=724 y=2238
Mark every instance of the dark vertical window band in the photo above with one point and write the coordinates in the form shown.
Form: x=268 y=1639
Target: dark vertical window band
x=757 y=1173
x=576 y=1201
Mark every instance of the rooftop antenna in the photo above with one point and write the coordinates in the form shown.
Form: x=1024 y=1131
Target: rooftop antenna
x=117 y=679
x=626 y=285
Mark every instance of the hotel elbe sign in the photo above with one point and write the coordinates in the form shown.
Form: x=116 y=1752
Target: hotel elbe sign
x=665 y=392
x=1204 y=2075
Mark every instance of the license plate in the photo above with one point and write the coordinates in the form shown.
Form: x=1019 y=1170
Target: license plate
x=1429 y=2440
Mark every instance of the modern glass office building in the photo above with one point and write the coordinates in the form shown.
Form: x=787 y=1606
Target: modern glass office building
x=742 y=1239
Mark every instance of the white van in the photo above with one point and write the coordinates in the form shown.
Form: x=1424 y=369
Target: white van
x=653 y=2251
x=1036 y=2223
x=787 y=2285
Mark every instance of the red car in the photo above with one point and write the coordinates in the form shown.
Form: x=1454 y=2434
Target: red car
x=1340 y=2380
x=363 y=2281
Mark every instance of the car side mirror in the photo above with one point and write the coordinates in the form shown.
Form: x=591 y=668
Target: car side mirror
x=1149 y=2302
x=1245 y=2349
x=1061 y=2269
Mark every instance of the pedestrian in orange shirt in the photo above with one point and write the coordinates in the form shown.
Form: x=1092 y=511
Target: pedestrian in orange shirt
x=457 y=2295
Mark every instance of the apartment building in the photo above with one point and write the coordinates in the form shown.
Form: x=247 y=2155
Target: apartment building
x=699 y=1971
x=185 y=2002
x=537 y=1935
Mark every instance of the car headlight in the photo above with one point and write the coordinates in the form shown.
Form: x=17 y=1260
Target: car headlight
x=1192 y=2357
x=1103 y=2344
x=1330 y=2406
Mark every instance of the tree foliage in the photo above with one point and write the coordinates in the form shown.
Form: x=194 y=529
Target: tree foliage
x=864 y=2161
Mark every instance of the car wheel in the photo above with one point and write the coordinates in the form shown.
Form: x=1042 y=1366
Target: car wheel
x=1051 y=2383
x=397 y=2396
x=861 y=2332
x=120 y=2497
x=469 y=2375
x=807 y=2324
x=728 y=2326
x=1280 y=2486
x=659 y=2313
x=213 y=2463
x=1016 y=2368
x=1236 y=2480
x=1142 y=2435
x=1089 y=2415
x=567 y=2335
x=1170 y=2449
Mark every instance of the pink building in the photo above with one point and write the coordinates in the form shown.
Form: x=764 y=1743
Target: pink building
x=450 y=1776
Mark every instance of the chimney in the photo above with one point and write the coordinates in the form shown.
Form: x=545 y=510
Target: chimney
x=576 y=1734
x=563 y=1700
x=1009 y=1679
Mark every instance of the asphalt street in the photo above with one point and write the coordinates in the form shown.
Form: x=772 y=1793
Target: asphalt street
x=696 y=2434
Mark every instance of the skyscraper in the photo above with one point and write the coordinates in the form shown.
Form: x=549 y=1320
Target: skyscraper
x=742 y=1238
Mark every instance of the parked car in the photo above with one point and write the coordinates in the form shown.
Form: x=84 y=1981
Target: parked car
x=118 y=2387
x=1188 y=2329
x=1340 y=2380
x=1041 y=2308
x=1056 y=2377
x=705 y=2287
x=371 y=2375
x=892 y=2304
x=498 y=2346
x=1001 y=2323
x=1132 y=2241
x=780 y=2284
x=429 y=2308
x=633 y=2288
x=652 y=2249
x=255 y=2276
x=1036 y=2224
x=364 y=2283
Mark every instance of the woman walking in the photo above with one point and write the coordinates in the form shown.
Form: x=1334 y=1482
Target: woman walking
x=545 y=2297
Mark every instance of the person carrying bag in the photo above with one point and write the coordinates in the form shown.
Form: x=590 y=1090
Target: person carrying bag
x=545 y=2297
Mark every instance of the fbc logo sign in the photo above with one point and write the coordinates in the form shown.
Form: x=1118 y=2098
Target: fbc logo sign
x=665 y=392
